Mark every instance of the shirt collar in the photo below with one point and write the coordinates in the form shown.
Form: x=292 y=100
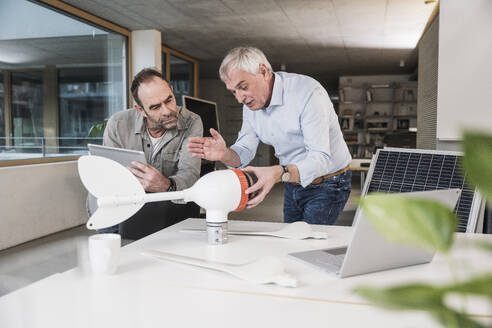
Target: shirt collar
x=181 y=124
x=277 y=92
x=140 y=128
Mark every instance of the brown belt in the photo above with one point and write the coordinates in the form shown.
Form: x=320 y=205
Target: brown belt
x=320 y=179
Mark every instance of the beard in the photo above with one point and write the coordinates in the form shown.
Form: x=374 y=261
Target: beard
x=165 y=123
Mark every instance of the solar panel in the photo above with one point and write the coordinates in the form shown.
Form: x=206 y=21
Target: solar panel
x=397 y=170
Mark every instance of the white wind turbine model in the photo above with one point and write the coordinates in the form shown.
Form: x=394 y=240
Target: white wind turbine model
x=120 y=195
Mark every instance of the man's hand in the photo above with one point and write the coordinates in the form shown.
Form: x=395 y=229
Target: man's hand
x=149 y=177
x=210 y=148
x=267 y=177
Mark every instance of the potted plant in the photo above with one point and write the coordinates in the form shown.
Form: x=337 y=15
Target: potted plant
x=97 y=130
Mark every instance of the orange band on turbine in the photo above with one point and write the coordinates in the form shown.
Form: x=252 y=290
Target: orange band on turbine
x=243 y=181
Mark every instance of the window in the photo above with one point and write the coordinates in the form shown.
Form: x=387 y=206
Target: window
x=181 y=78
x=85 y=100
x=181 y=71
x=27 y=114
x=2 y=111
x=164 y=64
x=59 y=77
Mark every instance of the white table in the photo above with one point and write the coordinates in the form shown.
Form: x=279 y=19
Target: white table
x=146 y=292
x=356 y=166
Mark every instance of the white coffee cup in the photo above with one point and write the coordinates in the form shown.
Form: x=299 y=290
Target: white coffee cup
x=104 y=253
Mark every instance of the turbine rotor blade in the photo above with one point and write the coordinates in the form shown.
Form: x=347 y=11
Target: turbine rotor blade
x=105 y=178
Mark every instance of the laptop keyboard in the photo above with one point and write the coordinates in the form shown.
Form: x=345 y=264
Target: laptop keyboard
x=328 y=260
x=334 y=257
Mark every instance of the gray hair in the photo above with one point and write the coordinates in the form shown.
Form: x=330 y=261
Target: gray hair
x=247 y=59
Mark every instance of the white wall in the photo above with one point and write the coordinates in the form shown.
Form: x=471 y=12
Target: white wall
x=38 y=200
x=465 y=67
x=427 y=87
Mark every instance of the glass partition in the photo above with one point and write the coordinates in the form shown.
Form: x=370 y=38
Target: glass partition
x=181 y=77
x=2 y=111
x=164 y=64
x=84 y=101
x=27 y=112
x=66 y=75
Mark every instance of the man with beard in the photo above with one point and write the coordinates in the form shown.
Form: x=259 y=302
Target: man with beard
x=161 y=129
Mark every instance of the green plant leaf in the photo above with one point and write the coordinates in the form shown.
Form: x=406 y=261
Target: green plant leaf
x=412 y=221
x=477 y=149
x=407 y=297
x=420 y=297
x=452 y=319
x=97 y=130
x=479 y=285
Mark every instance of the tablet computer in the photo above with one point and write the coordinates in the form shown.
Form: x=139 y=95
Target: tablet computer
x=120 y=155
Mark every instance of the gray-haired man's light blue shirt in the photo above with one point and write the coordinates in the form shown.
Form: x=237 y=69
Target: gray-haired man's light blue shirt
x=302 y=126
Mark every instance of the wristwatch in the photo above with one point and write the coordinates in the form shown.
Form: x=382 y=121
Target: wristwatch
x=286 y=175
x=172 y=186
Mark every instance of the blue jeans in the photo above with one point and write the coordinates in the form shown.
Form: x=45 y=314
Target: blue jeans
x=317 y=204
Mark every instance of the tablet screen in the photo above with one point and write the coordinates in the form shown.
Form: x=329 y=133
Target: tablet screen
x=120 y=155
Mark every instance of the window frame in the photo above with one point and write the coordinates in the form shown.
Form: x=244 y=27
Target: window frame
x=169 y=51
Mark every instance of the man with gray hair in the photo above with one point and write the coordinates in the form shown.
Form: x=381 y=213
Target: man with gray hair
x=294 y=114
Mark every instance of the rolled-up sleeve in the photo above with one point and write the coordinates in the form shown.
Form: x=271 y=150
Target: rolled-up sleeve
x=188 y=166
x=246 y=143
x=315 y=122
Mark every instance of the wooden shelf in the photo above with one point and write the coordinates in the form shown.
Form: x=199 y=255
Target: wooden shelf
x=405 y=116
x=352 y=87
x=395 y=99
x=379 y=116
x=352 y=131
x=407 y=130
x=400 y=131
x=373 y=130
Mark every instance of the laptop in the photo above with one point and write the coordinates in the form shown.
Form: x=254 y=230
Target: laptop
x=368 y=251
x=120 y=155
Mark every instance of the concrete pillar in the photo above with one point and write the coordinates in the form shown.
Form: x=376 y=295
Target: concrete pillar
x=146 y=50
